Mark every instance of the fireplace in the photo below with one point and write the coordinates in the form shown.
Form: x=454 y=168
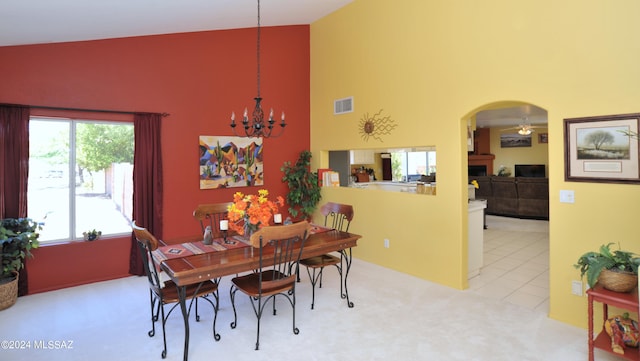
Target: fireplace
x=485 y=160
x=477 y=170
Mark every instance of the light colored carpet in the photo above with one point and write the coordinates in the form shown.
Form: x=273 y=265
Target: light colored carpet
x=396 y=317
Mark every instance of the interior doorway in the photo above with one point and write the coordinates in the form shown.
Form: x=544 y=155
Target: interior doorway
x=501 y=137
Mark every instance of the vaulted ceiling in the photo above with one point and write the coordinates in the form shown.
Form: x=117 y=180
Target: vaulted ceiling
x=49 y=21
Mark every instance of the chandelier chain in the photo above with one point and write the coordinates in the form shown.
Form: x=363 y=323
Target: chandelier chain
x=257 y=127
x=258 y=50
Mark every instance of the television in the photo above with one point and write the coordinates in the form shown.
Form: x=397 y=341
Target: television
x=530 y=170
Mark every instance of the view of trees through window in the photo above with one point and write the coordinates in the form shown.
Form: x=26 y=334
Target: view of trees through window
x=409 y=166
x=80 y=177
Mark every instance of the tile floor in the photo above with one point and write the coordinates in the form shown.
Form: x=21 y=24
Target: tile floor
x=516 y=262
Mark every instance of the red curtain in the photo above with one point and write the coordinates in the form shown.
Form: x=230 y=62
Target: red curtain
x=147 y=182
x=14 y=168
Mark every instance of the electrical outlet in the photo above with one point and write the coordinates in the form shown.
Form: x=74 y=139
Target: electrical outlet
x=386 y=243
x=576 y=288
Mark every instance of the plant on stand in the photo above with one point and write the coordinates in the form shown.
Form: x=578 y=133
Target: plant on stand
x=18 y=236
x=616 y=270
x=304 y=191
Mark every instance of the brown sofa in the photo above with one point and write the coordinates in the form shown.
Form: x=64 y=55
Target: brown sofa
x=521 y=197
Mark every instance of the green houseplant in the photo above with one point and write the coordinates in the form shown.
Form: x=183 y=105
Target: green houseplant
x=18 y=236
x=304 y=190
x=594 y=264
x=91 y=235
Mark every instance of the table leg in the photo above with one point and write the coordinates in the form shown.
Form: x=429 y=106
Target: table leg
x=182 y=295
x=590 y=333
x=345 y=255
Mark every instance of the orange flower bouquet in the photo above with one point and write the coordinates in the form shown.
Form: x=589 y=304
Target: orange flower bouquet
x=250 y=212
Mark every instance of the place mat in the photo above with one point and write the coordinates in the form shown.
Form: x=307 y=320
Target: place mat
x=171 y=251
x=190 y=248
x=315 y=228
x=235 y=241
x=199 y=247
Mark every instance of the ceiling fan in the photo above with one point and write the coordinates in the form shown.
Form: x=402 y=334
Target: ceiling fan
x=523 y=129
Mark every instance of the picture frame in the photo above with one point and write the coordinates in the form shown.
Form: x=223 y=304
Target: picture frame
x=601 y=149
x=543 y=138
x=228 y=161
x=515 y=140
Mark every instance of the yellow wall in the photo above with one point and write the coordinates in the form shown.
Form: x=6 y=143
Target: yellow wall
x=430 y=65
x=538 y=153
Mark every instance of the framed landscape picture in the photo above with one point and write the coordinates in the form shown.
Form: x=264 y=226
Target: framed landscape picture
x=514 y=140
x=602 y=149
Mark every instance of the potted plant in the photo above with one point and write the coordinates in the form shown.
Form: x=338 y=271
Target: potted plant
x=304 y=191
x=91 y=235
x=18 y=236
x=616 y=270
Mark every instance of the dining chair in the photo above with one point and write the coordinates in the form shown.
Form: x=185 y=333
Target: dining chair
x=279 y=249
x=210 y=215
x=166 y=292
x=337 y=216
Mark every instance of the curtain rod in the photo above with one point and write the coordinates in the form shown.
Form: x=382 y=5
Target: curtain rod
x=93 y=110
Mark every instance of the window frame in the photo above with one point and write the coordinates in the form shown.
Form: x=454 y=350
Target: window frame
x=74 y=233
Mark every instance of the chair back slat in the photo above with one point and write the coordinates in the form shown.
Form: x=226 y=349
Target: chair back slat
x=211 y=215
x=147 y=243
x=337 y=216
x=285 y=244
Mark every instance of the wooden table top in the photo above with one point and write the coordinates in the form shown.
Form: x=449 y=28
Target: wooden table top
x=199 y=267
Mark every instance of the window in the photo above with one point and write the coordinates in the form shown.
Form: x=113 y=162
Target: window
x=80 y=177
x=410 y=165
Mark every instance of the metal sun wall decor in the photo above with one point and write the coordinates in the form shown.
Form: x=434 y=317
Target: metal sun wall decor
x=227 y=161
x=375 y=126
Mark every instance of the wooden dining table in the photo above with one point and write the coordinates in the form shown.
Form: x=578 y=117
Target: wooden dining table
x=193 y=262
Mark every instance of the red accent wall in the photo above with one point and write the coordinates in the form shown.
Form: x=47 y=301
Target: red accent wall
x=198 y=78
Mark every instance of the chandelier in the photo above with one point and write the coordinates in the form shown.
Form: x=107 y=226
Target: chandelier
x=257 y=127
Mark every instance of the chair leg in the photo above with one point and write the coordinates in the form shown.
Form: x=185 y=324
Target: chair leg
x=154 y=315
x=339 y=267
x=314 y=279
x=164 y=334
x=232 y=296
x=259 y=315
x=197 y=314
x=293 y=306
x=274 y=305
x=216 y=336
x=345 y=266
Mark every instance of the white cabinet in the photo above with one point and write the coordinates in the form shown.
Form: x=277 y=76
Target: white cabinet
x=476 y=236
x=361 y=157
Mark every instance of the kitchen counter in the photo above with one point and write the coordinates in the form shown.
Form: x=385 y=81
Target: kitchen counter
x=408 y=187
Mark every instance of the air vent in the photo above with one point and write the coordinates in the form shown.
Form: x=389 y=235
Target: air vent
x=344 y=105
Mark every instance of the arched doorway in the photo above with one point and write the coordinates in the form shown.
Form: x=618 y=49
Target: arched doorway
x=510 y=139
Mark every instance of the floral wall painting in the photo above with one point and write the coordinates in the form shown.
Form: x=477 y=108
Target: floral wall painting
x=227 y=161
x=602 y=149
